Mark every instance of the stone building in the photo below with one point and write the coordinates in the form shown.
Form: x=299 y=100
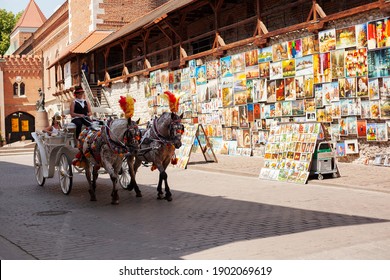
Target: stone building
x=172 y=37
x=67 y=35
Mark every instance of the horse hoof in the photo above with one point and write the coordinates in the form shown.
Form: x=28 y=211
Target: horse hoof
x=138 y=195
x=160 y=197
x=116 y=202
x=93 y=199
x=168 y=198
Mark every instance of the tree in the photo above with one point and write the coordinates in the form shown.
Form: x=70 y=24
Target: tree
x=7 y=23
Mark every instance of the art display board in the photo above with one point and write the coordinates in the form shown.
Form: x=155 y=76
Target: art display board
x=289 y=151
x=192 y=133
x=339 y=77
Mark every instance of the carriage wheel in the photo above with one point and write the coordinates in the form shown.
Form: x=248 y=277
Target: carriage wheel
x=65 y=174
x=124 y=176
x=38 y=168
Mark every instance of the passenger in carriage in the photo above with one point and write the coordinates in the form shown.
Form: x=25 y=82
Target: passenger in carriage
x=55 y=126
x=80 y=110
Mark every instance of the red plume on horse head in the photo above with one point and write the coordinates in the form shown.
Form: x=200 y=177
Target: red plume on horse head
x=127 y=105
x=173 y=101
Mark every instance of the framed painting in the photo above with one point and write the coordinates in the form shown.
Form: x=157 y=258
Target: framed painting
x=265 y=54
x=290 y=89
x=356 y=63
x=377 y=35
x=279 y=51
x=310 y=45
x=361 y=35
x=238 y=63
x=346 y=37
x=385 y=108
x=226 y=66
x=200 y=75
x=362 y=128
x=288 y=67
x=381 y=132
x=371 y=132
x=304 y=65
x=337 y=63
x=276 y=71
x=327 y=40
x=340 y=149
x=294 y=48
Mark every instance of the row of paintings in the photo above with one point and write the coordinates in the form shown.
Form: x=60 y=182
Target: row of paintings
x=289 y=151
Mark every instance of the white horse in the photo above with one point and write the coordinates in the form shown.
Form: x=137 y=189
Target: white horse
x=106 y=148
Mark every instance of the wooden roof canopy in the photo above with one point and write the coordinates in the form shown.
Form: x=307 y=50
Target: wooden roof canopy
x=172 y=16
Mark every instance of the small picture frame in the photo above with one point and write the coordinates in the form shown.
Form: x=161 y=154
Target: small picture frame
x=351 y=146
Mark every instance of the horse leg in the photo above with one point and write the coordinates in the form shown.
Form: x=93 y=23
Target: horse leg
x=92 y=185
x=114 y=193
x=133 y=167
x=168 y=194
x=113 y=167
x=160 y=194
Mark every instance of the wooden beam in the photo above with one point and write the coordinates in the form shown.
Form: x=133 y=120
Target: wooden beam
x=385 y=6
x=320 y=11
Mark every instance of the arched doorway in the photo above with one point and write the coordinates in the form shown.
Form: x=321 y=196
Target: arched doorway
x=17 y=125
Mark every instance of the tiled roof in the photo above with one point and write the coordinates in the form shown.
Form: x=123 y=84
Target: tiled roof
x=82 y=45
x=31 y=17
x=90 y=41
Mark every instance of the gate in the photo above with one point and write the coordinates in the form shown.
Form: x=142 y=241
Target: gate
x=17 y=125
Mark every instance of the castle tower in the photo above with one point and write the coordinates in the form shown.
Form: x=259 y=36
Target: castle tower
x=28 y=23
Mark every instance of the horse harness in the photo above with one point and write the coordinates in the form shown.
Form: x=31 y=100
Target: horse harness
x=97 y=138
x=175 y=128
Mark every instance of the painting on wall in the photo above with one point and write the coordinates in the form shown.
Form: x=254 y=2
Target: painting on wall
x=351 y=146
x=361 y=35
x=346 y=37
x=279 y=51
x=265 y=54
x=327 y=40
x=226 y=66
x=377 y=34
x=362 y=128
x=310 y=45
x=294 y=48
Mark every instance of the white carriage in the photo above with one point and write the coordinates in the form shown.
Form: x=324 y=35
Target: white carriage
x=54 y=154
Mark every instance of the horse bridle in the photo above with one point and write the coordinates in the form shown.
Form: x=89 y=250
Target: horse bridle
x=175 y=128
x=131 y=139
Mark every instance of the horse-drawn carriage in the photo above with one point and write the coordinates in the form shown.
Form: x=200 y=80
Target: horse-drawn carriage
x=117 y=147
x=54 y=154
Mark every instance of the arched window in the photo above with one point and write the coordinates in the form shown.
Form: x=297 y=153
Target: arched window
x=21 y=89
x=16 y=89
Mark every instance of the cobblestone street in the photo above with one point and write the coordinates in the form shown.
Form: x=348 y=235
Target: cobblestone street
x=213 y=215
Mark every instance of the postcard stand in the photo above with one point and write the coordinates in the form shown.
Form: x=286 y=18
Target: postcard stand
x=191 y=133
x=289 y=152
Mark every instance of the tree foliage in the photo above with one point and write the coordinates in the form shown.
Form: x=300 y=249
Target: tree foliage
x=7 y=23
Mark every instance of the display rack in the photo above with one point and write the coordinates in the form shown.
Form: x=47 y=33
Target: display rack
x=194 y=132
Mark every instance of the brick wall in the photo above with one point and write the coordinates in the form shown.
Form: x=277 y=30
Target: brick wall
x=29 y=69
x=79 y=19
x=118 y=12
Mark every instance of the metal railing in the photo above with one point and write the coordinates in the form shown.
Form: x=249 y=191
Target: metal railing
x=96 y=103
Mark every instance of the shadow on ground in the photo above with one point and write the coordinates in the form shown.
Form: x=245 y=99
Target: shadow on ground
x=49 y=225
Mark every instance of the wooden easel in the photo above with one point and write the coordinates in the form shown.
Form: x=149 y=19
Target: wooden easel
x=204 y=144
